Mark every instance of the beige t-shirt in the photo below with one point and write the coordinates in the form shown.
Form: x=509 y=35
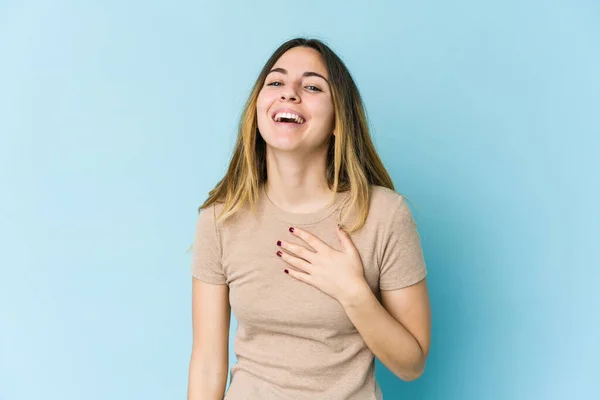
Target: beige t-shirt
x=294 y=341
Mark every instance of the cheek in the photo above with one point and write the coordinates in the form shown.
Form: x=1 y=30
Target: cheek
x=263 y=104
x=265 y=99
x=260 y=103
x=325 y=112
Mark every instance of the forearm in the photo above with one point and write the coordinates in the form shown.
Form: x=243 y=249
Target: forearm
x=204 y=382
x=387 y=338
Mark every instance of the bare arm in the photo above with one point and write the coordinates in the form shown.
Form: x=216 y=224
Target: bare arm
x=210 y=323
x=398 y=330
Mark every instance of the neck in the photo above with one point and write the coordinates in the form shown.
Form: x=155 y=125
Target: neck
x=297 y=185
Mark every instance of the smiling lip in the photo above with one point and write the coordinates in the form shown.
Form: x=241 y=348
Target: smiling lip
x=287 y=110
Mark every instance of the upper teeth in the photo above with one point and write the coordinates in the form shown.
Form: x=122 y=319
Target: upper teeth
x=295 y=117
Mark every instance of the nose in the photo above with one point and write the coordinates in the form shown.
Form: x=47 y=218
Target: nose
x=289 y=93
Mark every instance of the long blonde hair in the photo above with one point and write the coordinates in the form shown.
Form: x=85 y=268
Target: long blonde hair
x=352 y=161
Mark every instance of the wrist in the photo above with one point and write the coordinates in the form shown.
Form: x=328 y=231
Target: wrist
x=356 y=294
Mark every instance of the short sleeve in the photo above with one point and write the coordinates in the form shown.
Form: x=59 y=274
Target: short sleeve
x=206 y=255
x=402 y=262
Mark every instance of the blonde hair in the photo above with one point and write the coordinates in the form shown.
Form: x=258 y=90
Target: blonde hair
x=352 y=161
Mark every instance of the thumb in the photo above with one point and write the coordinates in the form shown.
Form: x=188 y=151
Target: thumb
x=344 y=238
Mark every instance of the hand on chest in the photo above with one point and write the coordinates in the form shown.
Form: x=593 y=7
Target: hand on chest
x=261 y=293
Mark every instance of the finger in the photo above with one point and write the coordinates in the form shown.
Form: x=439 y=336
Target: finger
x=345 y=240
x=298 y=250
x=295 y=261
x=310 y=239
x=301 y=276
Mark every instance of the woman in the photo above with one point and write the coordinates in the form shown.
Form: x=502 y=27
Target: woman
x=315 y=302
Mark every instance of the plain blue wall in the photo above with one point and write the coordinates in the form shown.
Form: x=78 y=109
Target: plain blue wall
x=116 y=119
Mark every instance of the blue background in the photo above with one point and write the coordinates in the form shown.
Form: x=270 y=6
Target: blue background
x=116 y=118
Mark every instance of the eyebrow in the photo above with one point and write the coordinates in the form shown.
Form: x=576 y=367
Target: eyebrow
x=307 y=73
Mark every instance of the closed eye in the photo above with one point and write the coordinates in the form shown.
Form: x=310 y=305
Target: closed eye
x=314 y=88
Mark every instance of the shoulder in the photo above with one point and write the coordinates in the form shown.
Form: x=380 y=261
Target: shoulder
x=385 y=200
x=225 y=221
x=208 y=214
x=389 y=207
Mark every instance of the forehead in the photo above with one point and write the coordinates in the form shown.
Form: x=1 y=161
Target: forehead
x=300 y=59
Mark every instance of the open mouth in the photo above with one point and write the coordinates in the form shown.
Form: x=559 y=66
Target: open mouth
x=288 y=118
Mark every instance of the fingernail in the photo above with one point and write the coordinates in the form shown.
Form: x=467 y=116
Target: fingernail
x=279 y=253
x=279 y=243
x=291 y=229
x=286 y=271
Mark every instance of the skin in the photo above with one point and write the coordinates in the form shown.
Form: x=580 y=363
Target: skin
x=397 y=330
x=296 y=155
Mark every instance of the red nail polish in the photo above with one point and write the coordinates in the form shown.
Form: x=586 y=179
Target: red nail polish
x=286 y=271
x=279 y=243
x=291 y=229
x=279 y=253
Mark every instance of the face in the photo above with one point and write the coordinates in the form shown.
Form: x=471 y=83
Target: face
x=297 y=85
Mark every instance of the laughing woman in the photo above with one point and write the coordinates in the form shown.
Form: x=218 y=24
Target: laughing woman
x=307 y=241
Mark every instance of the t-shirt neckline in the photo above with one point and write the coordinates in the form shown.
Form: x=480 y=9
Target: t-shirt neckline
x=272 y=210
